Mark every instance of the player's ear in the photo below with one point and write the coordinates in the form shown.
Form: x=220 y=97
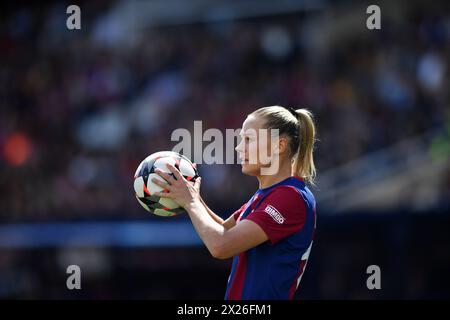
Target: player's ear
x=279 y=146
x=282 y=144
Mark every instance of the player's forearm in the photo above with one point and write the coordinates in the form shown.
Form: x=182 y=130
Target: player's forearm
x=211 y=233
x=216 y=218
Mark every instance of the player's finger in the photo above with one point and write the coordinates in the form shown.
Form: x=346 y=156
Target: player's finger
x=198 y=182
x=175 y=172
x=165 y=176
x=164 y=195
x=160 y=183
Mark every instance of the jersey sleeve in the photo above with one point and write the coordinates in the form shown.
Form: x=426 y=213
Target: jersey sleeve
x=281 y=213
x=238 y=212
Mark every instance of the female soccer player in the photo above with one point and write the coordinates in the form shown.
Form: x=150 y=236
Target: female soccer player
x=270 y=236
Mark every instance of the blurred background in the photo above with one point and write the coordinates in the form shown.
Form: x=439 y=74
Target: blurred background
x=80 y=109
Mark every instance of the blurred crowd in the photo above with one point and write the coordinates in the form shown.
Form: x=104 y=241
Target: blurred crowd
x=345 y=247
x=78 y=115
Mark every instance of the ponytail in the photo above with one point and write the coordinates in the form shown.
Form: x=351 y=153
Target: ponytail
x=304 y=161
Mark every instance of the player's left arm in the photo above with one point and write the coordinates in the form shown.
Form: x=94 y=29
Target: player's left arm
x=221 y=242
x=280 y=214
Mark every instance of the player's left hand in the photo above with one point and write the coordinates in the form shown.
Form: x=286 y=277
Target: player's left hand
x=177 y=187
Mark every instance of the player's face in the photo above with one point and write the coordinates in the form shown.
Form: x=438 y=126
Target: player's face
x=253 y=146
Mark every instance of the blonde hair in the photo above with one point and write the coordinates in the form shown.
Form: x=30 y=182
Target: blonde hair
x=299 y=126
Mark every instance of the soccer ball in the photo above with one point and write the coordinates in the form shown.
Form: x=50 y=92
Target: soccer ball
x=145 y=188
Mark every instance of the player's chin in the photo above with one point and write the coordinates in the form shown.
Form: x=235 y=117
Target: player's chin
x=249 y=169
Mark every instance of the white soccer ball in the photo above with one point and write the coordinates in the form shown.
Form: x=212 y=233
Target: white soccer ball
x=145 y=188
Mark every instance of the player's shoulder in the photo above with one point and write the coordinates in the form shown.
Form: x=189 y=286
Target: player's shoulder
x=292 y=193
x=285 y=196
x=295 y=187
x=290 y=188
x=284 y=190
x=283 y=203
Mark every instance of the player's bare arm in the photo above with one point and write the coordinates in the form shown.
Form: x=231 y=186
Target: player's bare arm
x=222 y=242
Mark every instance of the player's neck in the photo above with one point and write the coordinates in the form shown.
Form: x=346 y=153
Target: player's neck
x=266 y=181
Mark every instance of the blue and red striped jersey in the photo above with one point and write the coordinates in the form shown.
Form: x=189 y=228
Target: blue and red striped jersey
x=272 y=270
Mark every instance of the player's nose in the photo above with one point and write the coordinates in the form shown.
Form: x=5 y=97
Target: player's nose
x=239 y=147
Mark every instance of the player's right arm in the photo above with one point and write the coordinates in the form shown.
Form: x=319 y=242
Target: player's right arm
x=227 y=224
